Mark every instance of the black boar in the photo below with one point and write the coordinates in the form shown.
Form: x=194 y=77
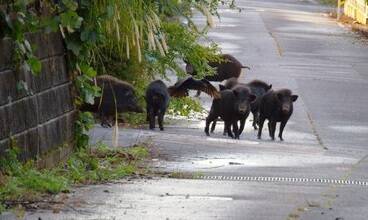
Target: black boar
x=157 y=99
x=276 y=106
x=117 y=97
x=257 y=88
x=229 y=67
x=226 y=69
x=234 y=105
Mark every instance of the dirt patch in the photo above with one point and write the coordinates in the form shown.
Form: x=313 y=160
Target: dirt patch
x=352 y=24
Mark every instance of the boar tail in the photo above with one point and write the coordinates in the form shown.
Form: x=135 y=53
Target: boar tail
x=245 y=67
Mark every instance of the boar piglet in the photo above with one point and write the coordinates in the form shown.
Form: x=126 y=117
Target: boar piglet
x=276 y=106
x=157 y=99
x=117 y=96
x=233 y=106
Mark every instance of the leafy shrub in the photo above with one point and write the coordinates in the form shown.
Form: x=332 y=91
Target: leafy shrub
x=184 y=106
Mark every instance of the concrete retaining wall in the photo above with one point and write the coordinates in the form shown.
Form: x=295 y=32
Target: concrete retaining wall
x=37 y=111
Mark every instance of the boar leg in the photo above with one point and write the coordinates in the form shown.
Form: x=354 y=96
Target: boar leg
x=147 y=111
x=105 y=124
x=273 y=128
x=269 y=129
x=209 y=119
x=151 y=119
x=161 y=120
x=225 y=130
x=228 y=128
x=236 y=129
x=104 y=120
x=282 y=126
x=242 y=124
x=198 y=93
x=255 y=120
x=213 y=126
x=261 y=122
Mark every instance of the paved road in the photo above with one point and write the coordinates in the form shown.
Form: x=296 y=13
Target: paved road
x=291 y=44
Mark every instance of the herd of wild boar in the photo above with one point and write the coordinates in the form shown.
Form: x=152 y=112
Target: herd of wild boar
x=233 y=102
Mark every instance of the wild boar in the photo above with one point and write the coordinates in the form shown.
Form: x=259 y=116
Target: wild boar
x=226 y=69
x=229 y=67
x=276 y=106
x=157 y=99
x=233 y=106
x=117 y=96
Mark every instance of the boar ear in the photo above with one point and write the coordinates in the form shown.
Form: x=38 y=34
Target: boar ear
x=222 y=87
x=252 y=98
x=294 y=98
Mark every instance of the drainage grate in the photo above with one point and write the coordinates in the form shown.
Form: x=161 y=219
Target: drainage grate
x=285 y=179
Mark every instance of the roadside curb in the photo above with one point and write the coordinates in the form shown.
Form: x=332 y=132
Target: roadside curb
x=351 y=24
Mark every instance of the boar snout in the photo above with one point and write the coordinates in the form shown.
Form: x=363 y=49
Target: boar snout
x=243 y=109
x=285 y=108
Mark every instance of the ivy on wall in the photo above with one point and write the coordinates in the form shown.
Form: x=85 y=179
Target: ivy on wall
x=19 y=18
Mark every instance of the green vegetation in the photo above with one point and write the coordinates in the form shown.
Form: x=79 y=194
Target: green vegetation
x=2 y=208
x=134 y=119
x=328 y=2
x=185 y=175
x=24 y=182
x=184 y=106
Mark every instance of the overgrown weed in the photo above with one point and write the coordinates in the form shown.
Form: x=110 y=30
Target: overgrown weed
x=24 y=183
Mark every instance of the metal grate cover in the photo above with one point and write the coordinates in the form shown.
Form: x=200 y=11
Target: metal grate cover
x=284 y=179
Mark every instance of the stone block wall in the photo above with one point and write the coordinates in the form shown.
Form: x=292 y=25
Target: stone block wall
x=37 y=111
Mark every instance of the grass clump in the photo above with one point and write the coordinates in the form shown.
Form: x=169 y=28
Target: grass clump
x=102 y=164
x=23 y=183
x=31 y=184
x=185 y=175
x=2 y=208
x=134 y=119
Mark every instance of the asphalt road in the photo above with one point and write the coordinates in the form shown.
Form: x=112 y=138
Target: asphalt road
x=291 y=44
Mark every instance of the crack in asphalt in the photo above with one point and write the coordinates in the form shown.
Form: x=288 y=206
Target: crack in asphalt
x=278 y=45
x=315 y=132
x=313 y=127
